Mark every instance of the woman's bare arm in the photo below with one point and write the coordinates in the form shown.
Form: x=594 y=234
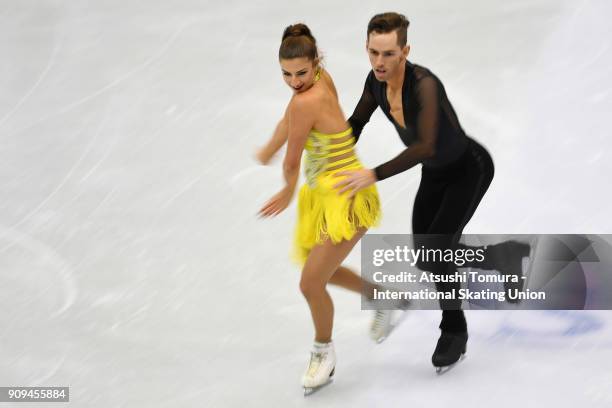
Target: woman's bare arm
x=300 y=119
x=278 y=139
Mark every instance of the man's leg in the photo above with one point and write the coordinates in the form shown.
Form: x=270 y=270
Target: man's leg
x=462 y=190
x=429 y=206
x=461 y=198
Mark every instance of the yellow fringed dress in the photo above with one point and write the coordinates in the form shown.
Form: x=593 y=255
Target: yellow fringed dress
x=322 y=211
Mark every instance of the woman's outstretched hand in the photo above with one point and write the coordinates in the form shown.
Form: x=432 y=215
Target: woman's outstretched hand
x=263 y=156
x=277 y=203
x=355 y=180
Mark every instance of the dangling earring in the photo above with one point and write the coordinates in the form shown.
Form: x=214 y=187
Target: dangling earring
x=317 y=74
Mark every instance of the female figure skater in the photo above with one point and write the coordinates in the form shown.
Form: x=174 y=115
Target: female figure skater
x=329 y=223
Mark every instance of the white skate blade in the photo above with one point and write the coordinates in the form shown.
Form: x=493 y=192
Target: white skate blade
x=311 y=390
x=444 y=369
x=392 y=326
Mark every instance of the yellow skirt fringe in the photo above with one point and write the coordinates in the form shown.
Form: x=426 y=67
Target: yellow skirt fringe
x=325 y=214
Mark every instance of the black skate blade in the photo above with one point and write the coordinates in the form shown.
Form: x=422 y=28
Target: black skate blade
x=444 y=369
x=311 y=390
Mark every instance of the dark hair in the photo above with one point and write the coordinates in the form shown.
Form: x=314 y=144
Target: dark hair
x=298 y=42
x=386 y=22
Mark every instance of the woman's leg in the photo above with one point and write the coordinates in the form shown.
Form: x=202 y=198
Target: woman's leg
x=348 y=279
x=323 y=261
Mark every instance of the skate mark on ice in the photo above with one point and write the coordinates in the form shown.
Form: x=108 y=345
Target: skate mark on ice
x=51 y=257
x=566 y=325
x=58 y=187
x=152 y=59
x=42 y=76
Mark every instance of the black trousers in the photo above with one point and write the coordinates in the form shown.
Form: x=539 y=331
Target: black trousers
x=445 y=202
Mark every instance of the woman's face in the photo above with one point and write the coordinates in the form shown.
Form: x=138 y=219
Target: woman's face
x=298 y=73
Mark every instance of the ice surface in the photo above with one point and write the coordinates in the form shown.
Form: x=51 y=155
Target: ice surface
x=134 y=270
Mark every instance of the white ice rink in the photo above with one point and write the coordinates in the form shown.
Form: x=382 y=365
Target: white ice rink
x=133 y=267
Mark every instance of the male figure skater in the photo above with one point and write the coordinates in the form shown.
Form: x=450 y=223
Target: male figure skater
x=456 y=170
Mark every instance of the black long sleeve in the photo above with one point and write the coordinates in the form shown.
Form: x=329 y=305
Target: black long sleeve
x=363 y=111
x=432 y=133
x=426 y=124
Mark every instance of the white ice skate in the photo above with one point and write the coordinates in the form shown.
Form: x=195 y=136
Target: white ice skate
x=320 y=369
x=385 y=321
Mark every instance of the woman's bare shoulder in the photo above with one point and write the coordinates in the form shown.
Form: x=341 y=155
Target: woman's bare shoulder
x=329 y=81
x=326 y=76
x=304 y=102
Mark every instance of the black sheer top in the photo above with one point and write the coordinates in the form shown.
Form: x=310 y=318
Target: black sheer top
x=427 y=114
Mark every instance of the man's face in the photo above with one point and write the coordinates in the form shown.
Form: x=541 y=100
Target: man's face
x=386 y=56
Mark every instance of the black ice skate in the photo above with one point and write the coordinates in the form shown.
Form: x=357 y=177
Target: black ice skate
x=449 y=350
x=507 y=258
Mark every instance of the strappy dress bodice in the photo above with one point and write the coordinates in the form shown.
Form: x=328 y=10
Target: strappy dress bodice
x=329 y=152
